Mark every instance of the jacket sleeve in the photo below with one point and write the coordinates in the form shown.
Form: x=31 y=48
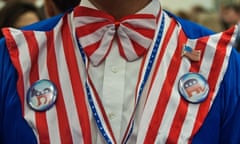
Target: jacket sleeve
x=222 y=125
x=230 y=122
x=13 y=128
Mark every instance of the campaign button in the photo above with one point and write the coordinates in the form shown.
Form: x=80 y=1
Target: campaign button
x=193 y=87
x=42 y=95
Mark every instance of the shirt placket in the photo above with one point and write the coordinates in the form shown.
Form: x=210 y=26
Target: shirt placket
x=113 y=89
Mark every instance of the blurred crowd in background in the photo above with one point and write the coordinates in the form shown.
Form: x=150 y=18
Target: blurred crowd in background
x=217 y=20
x=18 y=13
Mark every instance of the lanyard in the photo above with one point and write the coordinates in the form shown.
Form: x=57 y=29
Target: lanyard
x=94 y=102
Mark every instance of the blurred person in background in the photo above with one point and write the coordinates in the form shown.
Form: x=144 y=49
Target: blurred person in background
x=202 y=16
x=210 y=20
x=18 y=14
x=230 y=15
x=1 y=4
x=195 y=11
x=183 y=14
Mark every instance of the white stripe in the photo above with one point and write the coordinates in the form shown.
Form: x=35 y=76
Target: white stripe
x=143 y=23
x=125 y=42
x=81 y=65
x=103 y=48
x=66 y=87
x=80 y=21
x=96 y=36
x=228 y=52
x=174 y=97
x=76 y=137
x=24 y=58
x=172 y=106
x=51 y=114
x=153 y=95
x=188 y=123
x=209 y=55
x=83 y=75
x=134 y=35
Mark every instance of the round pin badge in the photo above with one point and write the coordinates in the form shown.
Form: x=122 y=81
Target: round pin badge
x=42 y=95
x=193 y=87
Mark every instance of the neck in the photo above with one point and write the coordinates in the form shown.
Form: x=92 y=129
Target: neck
x=120 y=8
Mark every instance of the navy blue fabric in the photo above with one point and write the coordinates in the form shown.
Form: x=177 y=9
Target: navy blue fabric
x=222 y=125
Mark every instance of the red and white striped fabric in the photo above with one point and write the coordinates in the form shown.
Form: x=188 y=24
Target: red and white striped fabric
x=166 y=116
x=163 y=117
x=52 y=55
x=96 y=31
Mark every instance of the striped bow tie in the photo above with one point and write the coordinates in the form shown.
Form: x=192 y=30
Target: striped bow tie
x=96 y=31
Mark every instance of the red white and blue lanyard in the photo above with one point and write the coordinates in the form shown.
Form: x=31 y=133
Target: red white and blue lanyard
x=142 y=85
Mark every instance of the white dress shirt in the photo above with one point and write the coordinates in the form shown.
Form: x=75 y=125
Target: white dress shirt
x=115 y=80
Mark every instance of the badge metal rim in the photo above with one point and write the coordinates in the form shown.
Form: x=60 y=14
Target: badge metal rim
x=182 y=92
x=53 y=100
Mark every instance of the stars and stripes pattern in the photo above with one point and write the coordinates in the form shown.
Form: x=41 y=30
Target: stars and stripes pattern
x=96 y=31
x=163 y=117
x=52 y=55
x=166 y=117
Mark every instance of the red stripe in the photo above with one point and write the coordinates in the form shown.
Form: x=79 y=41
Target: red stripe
x=90 y=28
x=166 y=90
x=201 y=45
x=106 y=54
x=146 y=32
x=120 y=47
x=139 y=50
x=41 y=120
x=84 y=11
x=78 y=89
x=138 y=16
x=170 y=30
x=65 y=133
x=213 y=78
x=150 y=134
x=14 y=55
x=90 y=49
x=183 y=105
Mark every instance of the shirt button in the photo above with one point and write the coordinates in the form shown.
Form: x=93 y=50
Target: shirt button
x=111 y=116
x=114 y=69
